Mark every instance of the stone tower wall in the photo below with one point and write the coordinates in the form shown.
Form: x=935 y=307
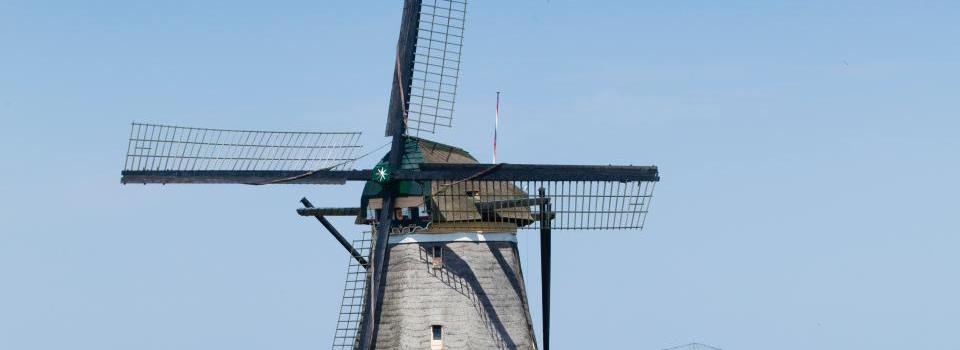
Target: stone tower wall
x=478 y=297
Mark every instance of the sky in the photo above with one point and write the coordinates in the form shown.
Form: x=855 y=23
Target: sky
x=808 y=152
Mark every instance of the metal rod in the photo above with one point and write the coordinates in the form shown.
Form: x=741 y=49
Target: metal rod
x=336 y=234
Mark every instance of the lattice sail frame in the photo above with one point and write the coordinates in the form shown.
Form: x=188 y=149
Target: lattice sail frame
x=351 y=306
x=436 y=69
x=573 y=205
x=154 y=147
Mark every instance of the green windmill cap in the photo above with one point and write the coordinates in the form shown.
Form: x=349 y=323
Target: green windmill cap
x=416 y=151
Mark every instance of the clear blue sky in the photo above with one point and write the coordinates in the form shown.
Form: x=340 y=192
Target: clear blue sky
x=809 y=154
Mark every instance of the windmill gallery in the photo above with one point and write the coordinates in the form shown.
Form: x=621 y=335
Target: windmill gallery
x=441 y=269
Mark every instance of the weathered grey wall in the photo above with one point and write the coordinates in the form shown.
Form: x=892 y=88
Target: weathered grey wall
x=478 y=297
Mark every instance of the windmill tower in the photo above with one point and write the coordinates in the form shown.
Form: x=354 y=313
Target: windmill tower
x=442 y=269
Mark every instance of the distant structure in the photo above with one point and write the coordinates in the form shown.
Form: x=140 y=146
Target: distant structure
x=693 y=346
x=440 y=268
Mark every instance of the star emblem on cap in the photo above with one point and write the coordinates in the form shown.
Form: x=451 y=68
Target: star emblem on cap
x=381 y=173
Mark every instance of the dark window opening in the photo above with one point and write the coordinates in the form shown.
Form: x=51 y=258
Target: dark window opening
x=414 y=212
x=437 y=331
x=437 y=252
x=398 y=213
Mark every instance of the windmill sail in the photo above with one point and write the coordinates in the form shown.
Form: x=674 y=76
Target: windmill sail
x=351 y=304
x=575 y=205
x=175 y=154
x=428 y=66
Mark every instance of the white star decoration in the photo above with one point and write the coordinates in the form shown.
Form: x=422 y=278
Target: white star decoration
x=382 y=173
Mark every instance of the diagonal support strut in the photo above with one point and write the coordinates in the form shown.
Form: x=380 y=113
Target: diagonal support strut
x=336 y=234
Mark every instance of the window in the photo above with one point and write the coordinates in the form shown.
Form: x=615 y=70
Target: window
x=373 y=214
x=423 y=213
x=436 y=337
x=437 y=253
x=414 y=212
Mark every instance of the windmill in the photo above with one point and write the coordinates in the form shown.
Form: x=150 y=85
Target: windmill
x=442 y=267
x=693 y=346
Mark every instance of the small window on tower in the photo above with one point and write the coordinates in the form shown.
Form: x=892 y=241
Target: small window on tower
x=437 y=253
x=422 y=211
x=474 y=194
x=373 y=214
x=436 y=337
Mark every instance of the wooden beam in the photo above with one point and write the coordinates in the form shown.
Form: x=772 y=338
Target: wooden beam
x=328 y=211
x=448 y=172
x=336 y=235
x=531 y=172
x=246 y=177
x=396 y=128
x=403 y=68
x=545 y=256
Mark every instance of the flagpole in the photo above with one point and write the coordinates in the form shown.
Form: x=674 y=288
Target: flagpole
x=496 y=125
